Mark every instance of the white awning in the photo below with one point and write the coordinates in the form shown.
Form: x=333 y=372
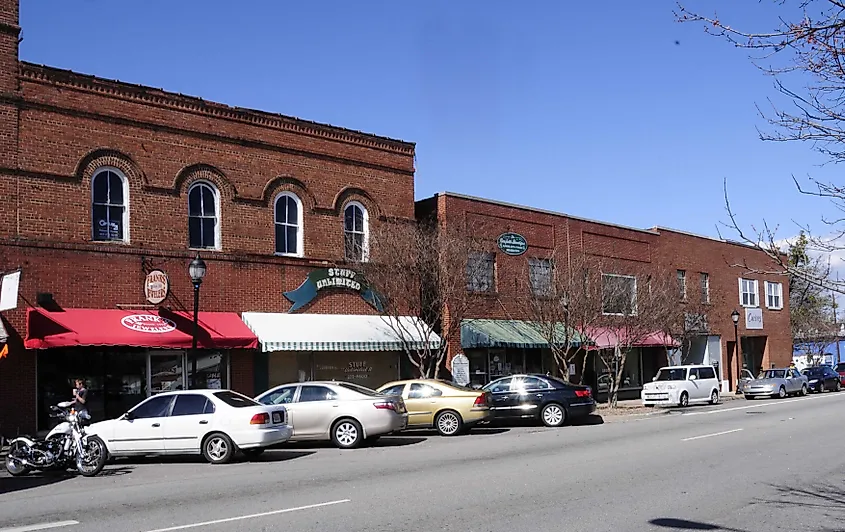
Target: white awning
x=338 y=332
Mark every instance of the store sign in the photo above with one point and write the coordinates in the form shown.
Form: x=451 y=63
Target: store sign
x=9 y=286
x=512 y=244
x=148 y=323
x=460 y=369
x=156 y=287
x=332 y=278
x=753 y=318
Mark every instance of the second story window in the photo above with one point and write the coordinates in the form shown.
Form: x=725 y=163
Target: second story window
x=288 y=222
x=682 y=284
x=619 y=294
x=540 y=276
x=705 y=288
x=203 y=216
x=481 y=272
x=748 y=293
x=355 y=232
x=774 y=295
x=109 y=206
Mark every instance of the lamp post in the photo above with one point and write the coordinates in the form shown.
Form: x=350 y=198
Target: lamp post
x=735 y=319
x=564 y=301
x=197 y=271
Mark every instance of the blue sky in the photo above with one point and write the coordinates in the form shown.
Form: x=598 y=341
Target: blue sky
x=589 y=108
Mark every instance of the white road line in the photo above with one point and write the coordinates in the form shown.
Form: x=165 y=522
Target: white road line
x=758 y=403
x=711 y=435
x=42 y=526
x=243 y=517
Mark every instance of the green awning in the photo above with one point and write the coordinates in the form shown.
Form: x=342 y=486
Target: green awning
x=509 y=333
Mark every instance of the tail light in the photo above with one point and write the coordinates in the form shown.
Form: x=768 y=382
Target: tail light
x=385 y=405
x=260 y=419
x=583 y=393
x=481 y=400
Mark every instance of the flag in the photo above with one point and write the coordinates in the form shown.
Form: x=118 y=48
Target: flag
x=4 y=351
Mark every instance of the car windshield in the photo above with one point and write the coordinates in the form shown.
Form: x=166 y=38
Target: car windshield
x=235 y=399
x=772 y=374
x=671 y=374
x=840 y=367
x=815 y=372
x=358 y=388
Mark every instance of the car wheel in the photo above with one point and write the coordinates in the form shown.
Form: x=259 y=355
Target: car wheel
x=749 y=397
x=448 y=423
x=553 y=415
x=838 y=386
x=253 y=453
x=804 y=391
x=714 y=397
x=821 y=387
x=218 y=448
x=347 y=434
x=684 y=400
x=782 y=392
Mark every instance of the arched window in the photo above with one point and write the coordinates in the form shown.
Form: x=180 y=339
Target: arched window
x=109 y=206
x=355 y=232
x=203 y=216
x=288 y=222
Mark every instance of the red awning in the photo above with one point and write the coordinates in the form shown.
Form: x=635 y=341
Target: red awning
x=604 y=338
x=136 y=328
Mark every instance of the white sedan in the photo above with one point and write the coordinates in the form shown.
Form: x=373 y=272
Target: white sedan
x=216 y=423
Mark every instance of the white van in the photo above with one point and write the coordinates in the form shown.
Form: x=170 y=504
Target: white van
x=682 y=386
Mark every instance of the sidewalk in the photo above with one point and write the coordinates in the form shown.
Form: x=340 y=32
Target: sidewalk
x=634 y=407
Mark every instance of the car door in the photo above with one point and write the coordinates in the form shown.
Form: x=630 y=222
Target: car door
x=141 y=430
x=831 y=378
x=189 y=421
x=530 y=392
x=314 y=410
x=503 y=397
x=694 y=387
x=421 y=403
x=794 y=381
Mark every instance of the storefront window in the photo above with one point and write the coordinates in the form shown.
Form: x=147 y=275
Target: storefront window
x=166 y=372
x=208 y=370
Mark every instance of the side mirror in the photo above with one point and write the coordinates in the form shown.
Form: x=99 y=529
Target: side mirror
x=654 y=379
x=692 y=377
x=129 y=416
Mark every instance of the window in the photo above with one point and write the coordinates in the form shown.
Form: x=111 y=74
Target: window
x=280 y=396
x=481 y=272
x=154 y=407
x=748 y=293
x=189 y=405
x=619 y=294
x=394 y=390
x=109 y=209
x=357 y=388
x=705 y=288
x=774 y=295
x=288 y=222
x=310 y=394
x=528 y=383
x=707 y=373
x=355 y=232
x=235 y=399
x=540 y=276
x=203 y=216
x=500 y=386
x=693 y=372
x=422 y=391
x=682 y=283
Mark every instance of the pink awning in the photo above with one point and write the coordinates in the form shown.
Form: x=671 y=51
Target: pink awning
x=605 y=338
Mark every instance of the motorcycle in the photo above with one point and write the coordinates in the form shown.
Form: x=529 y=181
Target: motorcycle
x=66 y=446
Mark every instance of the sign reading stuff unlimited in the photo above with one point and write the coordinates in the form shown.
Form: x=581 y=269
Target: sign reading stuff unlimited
x=326 y=278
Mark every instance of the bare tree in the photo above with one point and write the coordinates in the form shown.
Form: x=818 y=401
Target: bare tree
x=804 y=49
x=421 y=270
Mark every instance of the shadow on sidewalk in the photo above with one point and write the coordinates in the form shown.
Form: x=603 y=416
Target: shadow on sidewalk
x=682 y=524
x=9 y=484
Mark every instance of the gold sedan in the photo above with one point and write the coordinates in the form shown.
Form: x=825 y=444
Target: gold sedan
x=434 y=403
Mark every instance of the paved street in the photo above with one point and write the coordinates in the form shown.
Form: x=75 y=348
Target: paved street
x=744 y=466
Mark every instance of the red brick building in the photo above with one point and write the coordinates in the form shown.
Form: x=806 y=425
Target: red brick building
x=706 y=268
x=103 y=182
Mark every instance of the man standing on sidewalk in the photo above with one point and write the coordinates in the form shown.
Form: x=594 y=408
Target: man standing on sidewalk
x=80 y=398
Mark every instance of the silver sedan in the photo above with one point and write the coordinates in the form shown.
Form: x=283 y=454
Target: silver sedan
x=344 y=413
x=777 y=382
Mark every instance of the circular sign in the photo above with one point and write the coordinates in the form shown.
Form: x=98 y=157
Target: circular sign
x=156 y=287
x=148 y=323
x=512 y=244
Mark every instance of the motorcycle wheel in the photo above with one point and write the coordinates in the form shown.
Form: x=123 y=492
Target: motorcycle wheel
x=13 y=465
x=93 y=459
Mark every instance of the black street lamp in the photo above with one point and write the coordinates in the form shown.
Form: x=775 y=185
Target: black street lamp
x=735 y=319
x=197 y=271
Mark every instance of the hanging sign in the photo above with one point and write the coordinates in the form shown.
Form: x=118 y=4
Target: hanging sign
x=156 y=287
x=753 y=318
x=332 y=278
x=512 y=244
x=460 y=369
x=9 y=286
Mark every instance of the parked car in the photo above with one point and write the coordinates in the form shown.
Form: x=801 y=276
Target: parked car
x=448 y=408
x=777 y=382
x=344 y=413
x=822 y=378
x=549 y=399
x=840 y=369
x=215 y=423
x=682 y=386
x=744 y=378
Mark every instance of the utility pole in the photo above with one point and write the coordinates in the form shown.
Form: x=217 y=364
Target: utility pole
x=835 y=323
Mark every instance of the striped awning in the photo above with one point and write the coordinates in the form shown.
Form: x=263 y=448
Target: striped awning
x=518 y=334
x=339 y=332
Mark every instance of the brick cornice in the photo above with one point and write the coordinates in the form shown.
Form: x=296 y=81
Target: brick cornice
x=10 y=29
x=157 y=97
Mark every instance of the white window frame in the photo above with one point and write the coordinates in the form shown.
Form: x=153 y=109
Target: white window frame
x=365 y=248
x=634 y=295
x=217 y=214
x=704 y=281
x=125 y=182
x=300 y=229
x=682 y=283
x=778 y=294
x=756 y=293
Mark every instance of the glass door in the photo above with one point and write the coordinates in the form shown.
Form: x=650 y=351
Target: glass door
x=165 y=371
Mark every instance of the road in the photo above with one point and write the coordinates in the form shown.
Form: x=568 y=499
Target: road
x=743 y=466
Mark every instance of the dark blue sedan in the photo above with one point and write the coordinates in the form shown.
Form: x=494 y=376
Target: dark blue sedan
x=823 y=378
x=542 y=397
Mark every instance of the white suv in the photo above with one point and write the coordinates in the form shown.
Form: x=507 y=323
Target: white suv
x=682 y=385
